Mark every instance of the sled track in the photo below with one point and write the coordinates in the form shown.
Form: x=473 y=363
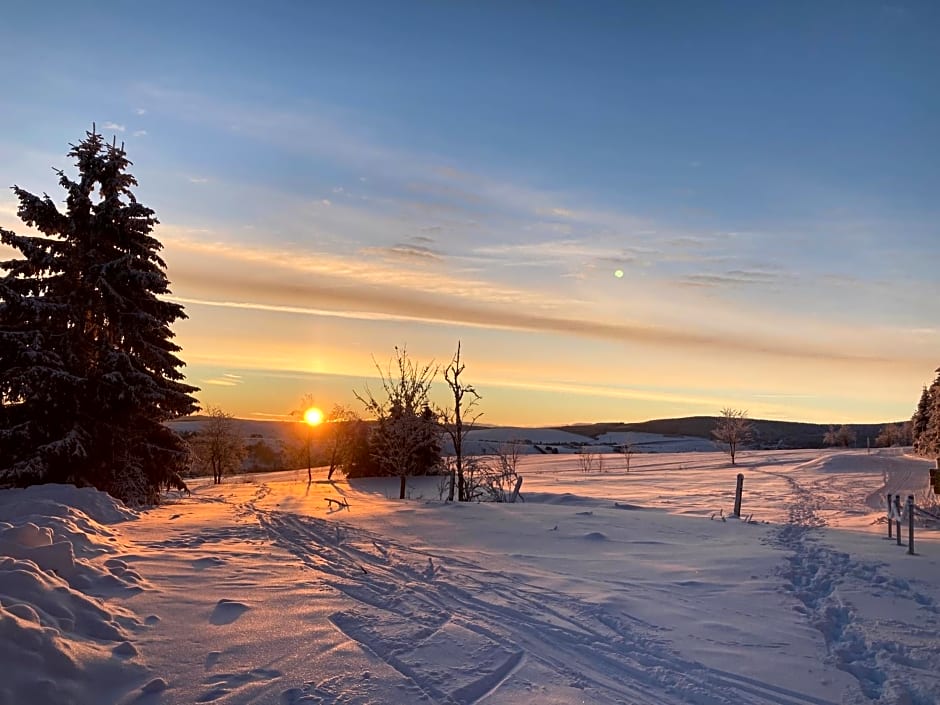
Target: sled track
x=407 y=603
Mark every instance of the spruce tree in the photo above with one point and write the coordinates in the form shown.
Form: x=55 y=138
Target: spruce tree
x=929 y=440
x=88 y=369
x=920 y=420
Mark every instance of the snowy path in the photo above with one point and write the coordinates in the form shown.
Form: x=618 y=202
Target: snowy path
x=896 y=661
x=418 y=610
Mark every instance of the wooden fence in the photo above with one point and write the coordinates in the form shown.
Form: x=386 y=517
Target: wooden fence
x=898 y=514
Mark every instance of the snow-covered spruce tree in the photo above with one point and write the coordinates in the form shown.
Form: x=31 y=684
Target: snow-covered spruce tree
x=927 y=422
x=921 y=419
x=88 y=370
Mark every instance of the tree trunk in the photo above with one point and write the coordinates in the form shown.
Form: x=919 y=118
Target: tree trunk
x=401 y=490
x=329 y=475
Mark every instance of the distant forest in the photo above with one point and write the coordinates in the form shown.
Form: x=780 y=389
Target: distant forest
x=767 y=434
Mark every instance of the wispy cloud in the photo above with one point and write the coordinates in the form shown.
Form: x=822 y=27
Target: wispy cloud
x=508 y=245
x=573 y=253
x=220 y=382
x=735 y=277
x=113 y=126
x=140 y=111
x=198 y=180
x=356 y=288
x=556 y=212
x=408 y=251
x=224 y=380
x=140 y=133
x=450 y=313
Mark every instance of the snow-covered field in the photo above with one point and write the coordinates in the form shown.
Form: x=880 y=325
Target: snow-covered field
x=602 y=588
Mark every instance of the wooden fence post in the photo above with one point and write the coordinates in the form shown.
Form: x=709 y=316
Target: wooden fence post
x=738 y=491
x=890 y=517
x=910 y=525
x=897 y=515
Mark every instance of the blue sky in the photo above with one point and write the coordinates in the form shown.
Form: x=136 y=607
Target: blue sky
x=334 y=179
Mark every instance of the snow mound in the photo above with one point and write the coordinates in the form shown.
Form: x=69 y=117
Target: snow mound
x=851 y=462
x=566 y=498
x=227 y=611
x=56 y=500
x=58 y=639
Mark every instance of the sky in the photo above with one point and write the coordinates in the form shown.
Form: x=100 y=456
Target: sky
x=622 y=211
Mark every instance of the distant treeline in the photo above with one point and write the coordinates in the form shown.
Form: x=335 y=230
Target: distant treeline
x=767 y=434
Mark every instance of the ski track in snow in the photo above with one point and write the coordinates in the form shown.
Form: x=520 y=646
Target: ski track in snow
x=824 y=580
x=413 y=608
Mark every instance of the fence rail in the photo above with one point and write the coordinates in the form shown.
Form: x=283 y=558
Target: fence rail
x=898 y=514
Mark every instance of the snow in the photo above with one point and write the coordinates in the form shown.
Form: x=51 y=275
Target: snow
x=602 y=587
x=657 y=443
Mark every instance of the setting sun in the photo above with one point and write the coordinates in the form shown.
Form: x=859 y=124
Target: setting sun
x=313 y=416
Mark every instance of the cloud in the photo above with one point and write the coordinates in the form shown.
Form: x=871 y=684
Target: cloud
x=198 y=180
x=220 y=382
x=224 y=380
x=570 y=252
x=556 y=212
x=404 y=251
x=326 y=202
x=736 y=277
x=113 y=126
x=224 y=275
x=328 y=134
x=500 y=232
x=140 y=111
x=140 y=133
x=444 y=312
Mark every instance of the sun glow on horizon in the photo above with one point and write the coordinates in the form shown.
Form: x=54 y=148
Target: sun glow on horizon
x=313 y=416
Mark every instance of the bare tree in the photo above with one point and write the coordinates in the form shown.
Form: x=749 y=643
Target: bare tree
x=304 y=447
x=340 y=427
x=406 y=438
x=588 y=460
x=218 y=447
x=626 y=449
x=733 y=429
x=458 y=421
x=496 y=479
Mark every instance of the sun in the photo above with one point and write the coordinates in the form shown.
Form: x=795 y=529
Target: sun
x=313 y=416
